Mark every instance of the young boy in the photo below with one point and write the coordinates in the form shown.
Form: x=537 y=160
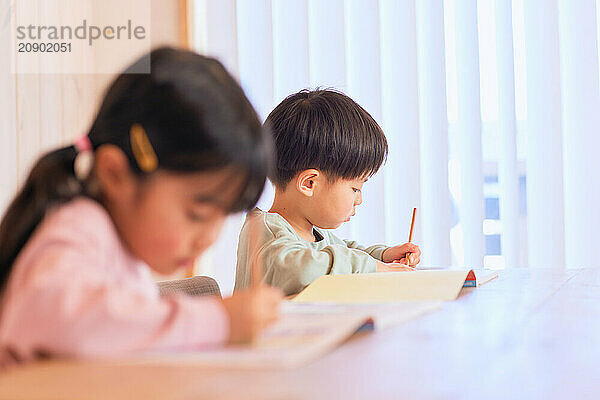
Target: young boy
x=327 y=146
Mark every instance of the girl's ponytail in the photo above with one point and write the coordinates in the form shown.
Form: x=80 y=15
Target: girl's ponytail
x=51 y=182
x=195 y=117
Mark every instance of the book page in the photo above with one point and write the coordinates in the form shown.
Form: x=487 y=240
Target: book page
x=295 y=339
x=304 y=332
x=484 y=275
x=381 y=315
x=385 y=287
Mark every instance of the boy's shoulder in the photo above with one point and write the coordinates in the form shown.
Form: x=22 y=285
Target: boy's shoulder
x=274 y=226
x=271 y=223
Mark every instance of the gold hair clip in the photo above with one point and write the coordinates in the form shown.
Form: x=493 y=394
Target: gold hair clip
x=142 y=149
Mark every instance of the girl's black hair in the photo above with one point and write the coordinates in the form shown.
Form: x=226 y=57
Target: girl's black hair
x=196 y=118
x=326 y=130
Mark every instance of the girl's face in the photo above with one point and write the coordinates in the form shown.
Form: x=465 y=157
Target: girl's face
x=177 y=217
x=168 y=219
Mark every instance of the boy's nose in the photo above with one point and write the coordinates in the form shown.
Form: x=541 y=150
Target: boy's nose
x=358 y=199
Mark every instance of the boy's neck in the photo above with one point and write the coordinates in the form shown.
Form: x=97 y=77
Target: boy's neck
x=288 y=209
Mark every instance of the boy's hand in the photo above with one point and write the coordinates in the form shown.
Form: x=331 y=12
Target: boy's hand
x=392 y=267
x=408 y=254
x=251 y=311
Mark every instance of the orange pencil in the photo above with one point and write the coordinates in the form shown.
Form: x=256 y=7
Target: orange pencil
x=410 y=235
x=412 y=225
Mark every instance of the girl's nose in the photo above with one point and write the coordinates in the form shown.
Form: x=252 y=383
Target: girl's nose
x=207 y=236
x=199 y=246
x=202 y=241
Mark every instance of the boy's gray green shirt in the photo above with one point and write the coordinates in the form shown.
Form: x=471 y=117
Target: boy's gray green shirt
x=291 y=262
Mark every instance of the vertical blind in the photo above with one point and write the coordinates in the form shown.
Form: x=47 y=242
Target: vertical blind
x=490 y=109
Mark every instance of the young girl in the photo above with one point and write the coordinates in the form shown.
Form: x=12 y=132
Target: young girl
x=170 y=154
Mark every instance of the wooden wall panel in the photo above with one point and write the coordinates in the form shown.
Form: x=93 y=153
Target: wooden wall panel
x=39 y=112
x=28 y=103
x=50 y=89
x=8 y=112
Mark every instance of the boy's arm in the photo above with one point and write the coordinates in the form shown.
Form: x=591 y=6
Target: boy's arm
x=375 y=251
x=291 y=266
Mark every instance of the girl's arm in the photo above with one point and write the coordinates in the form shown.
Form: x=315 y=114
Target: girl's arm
x=80 y=317
x=76 y=291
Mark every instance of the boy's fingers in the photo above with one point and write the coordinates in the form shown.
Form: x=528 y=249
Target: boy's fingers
x=413 y=254
x=410 y=247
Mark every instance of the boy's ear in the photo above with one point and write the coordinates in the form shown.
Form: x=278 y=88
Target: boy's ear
x=306 y=181
x=114 y=175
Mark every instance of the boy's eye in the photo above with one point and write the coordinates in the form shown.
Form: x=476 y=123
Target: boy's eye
x=355 y=190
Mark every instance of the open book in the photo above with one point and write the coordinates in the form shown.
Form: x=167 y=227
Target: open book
x=303 y=333
x=389 y=287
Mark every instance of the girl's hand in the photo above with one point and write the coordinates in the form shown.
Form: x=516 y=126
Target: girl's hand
x=392 y=267
x=251 y=311
x=408 y=254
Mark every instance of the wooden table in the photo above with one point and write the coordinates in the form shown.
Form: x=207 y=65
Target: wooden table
x=530 y=334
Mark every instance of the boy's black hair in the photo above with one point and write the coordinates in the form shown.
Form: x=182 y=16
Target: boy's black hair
x=195 y=116
x=325 y=130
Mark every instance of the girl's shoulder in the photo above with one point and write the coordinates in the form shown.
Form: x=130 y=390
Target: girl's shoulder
x=75 y=241
x=82 y=217
x=82 y=225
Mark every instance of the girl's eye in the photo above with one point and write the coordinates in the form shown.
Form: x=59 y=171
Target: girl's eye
x=196 y=217
x=355 y=190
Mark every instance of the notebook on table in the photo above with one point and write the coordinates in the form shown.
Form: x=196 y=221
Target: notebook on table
x=390 y=287
x=303 y=333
